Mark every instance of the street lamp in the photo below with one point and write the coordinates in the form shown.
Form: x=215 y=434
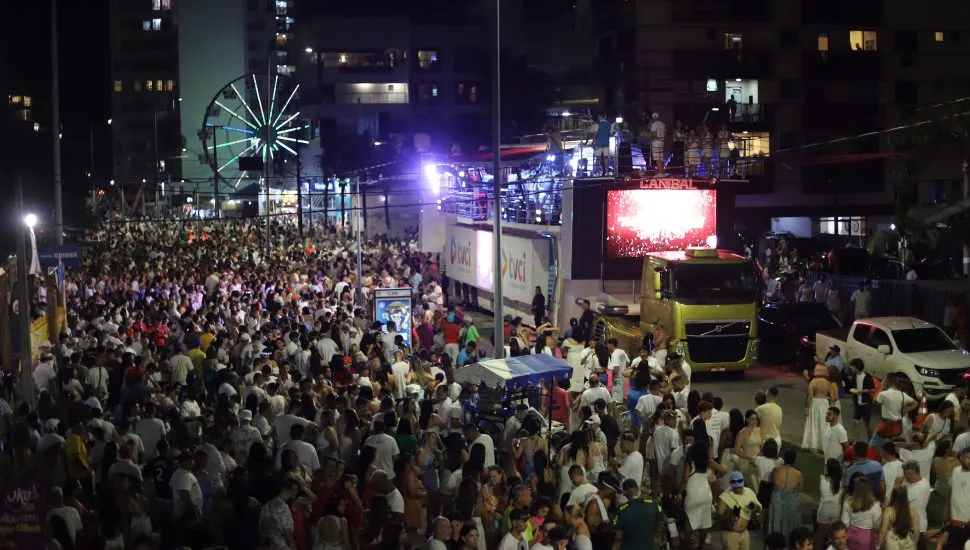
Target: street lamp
x=30 y=220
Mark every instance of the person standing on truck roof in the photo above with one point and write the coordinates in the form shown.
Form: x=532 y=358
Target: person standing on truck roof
x=862 y=301
x=660 y=341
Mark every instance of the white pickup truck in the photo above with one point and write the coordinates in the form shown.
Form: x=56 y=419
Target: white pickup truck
x=913 y=349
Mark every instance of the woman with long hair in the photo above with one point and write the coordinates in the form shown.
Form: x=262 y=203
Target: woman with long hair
x=786 y=492
x=698 y=496
x=862 y=514
x=470 y=503
x=765 y=463
x=747 y=445
x=830 y=500
x=900 y=523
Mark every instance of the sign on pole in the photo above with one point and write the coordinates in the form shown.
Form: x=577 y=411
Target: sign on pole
x=394 y=304
x=68 y=254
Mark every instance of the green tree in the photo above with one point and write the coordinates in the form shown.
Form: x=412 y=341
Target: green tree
x=936 y=133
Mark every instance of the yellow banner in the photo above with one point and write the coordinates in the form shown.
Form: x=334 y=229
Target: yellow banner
x=39 y=333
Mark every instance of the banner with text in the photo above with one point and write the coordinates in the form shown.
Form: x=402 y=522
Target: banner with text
x=24 y=512
x=524 y=262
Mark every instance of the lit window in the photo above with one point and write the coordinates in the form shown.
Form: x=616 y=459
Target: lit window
x=427 y=59
x=855 y=226
x=146 y=25
x=169 y=85
x=15 y=100
x=117 y=85
x=938 y=35
x=864 y=41
x=711 y=85
x=27 y=101
x=149 y=85
x=732 y=41
x=434 y=90
x=823 y=41
x=158 y=85
x=137 y=86
x=156 y=24
x=159 y=5
x=36 y=127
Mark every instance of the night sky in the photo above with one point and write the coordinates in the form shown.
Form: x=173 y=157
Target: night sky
x=85 y=103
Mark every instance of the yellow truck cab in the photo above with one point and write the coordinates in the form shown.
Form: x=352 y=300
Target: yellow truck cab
x=707 y=300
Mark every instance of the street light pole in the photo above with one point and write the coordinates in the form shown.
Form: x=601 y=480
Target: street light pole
x=56 y=130
x=360 y=254
x=26 y=364
x=499 y=335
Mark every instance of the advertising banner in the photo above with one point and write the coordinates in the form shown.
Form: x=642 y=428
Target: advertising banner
x=24 y=512
x=525 y=262
x=459 y=254
x=68 y=254
x=394 y=304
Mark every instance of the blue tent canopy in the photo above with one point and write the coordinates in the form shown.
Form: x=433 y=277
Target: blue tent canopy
x=520 y=371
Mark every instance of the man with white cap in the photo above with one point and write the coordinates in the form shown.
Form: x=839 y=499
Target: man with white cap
x=244 y=436
x=45 y=373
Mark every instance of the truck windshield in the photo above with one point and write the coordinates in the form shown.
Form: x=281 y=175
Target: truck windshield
x=714 y=284
x=916 y=340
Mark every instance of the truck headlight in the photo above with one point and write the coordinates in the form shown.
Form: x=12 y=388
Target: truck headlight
x=680 y=348
x=929 y=373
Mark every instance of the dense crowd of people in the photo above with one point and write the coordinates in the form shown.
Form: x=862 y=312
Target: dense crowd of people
x=209 y=390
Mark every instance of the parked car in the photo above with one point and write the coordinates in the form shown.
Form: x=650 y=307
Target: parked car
x=922 y=355
x=787 y=332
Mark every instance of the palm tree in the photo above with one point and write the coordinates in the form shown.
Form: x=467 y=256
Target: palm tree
x=941 y=131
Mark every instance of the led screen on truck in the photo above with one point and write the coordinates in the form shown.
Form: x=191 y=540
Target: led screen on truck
x=643 y=221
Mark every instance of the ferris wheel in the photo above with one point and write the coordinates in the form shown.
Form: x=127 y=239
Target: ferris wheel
x=252 y=117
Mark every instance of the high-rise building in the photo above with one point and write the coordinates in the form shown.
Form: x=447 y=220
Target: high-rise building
x=791 y=81
x=170 y=58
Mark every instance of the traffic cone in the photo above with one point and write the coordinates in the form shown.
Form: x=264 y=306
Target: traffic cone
x=921 y=415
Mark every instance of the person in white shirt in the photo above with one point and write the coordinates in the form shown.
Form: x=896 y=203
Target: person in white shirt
x=305 y=452
x=70 y=515
x=582 y=489
x=918 y=490
x=862 y=301
x=632 y=465
x=892 y=468
x=244 y=436
x=920 y=450
x=384 y=486
x=401 y=370
x=894 y=406
x=45 y=373
x=283 y=423
x=97 y=380
x=150 y=429
x=618 y=363
x=596 y=391
x=186 y=492
x=960 y=489
x=474 y=436
x=440 y=534
x=515 y=539
x=834 y=438
x=648 y=402
x=179 y=366
x=665 y=440
x=385 y=448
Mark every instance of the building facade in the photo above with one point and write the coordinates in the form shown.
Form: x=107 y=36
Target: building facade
x=794 y=80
